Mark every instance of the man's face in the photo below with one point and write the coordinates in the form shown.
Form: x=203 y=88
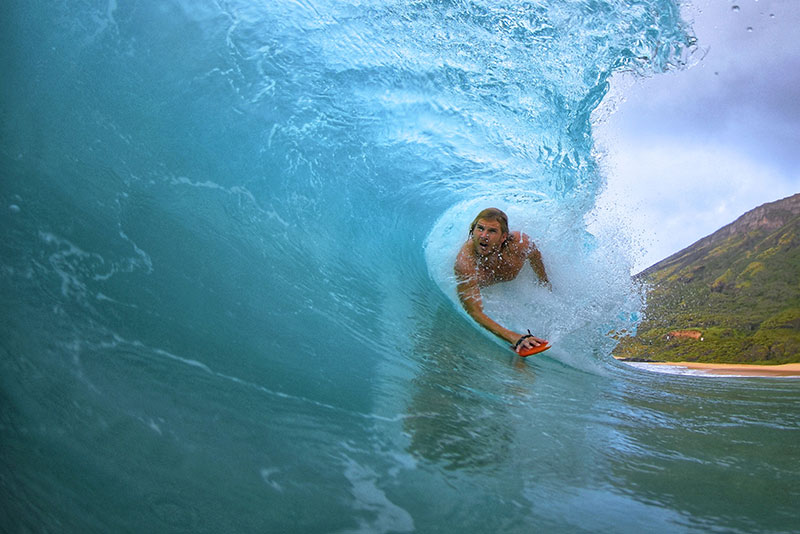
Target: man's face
x=487 y=237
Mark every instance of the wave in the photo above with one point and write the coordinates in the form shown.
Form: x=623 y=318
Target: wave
x=227 y=244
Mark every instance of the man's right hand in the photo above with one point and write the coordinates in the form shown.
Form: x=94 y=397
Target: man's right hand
x=528 y=341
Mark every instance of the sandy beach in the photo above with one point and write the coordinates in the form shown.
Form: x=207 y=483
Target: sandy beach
x=732 y=369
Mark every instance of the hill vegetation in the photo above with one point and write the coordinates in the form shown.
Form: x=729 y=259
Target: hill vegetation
x=732 y=297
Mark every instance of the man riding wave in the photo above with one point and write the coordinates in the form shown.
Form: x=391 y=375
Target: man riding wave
x=493 y=254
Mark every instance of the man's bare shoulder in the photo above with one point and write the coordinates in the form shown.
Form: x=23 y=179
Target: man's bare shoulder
x=465 y=265
x=521 y=242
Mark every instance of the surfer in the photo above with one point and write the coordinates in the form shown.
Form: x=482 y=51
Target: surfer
x=493 y=254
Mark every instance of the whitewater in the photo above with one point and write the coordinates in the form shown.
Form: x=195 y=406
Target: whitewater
x=228 y=229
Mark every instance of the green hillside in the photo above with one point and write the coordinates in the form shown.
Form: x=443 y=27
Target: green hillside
x=733 y=296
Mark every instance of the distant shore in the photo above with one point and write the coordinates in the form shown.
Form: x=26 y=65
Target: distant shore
x=729 y=369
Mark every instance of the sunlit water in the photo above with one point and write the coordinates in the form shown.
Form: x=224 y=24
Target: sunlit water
x=227 y=236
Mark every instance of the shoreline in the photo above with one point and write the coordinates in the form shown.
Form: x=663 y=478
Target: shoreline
x=727 y=369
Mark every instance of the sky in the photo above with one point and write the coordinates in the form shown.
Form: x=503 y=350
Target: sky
x=689 y=151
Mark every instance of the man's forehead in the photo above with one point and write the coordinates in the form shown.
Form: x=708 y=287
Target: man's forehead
x=489 y=224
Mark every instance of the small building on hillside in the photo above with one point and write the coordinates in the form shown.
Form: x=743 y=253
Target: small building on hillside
x=691 y=334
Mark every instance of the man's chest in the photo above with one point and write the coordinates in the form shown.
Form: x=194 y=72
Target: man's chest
x=499 y=271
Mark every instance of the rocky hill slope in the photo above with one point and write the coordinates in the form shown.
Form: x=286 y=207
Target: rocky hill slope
x=733 y=296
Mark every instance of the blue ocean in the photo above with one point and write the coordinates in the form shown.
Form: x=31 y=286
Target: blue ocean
x=228 y=229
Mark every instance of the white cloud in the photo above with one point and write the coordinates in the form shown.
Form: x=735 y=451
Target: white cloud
x=688 y=152
x=671 y=194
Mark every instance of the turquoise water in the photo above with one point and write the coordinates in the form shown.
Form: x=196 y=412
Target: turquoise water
x=227 y=228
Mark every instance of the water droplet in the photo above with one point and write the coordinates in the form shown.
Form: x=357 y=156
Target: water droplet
x=750 y=28
x=14 y=208
x=735 y=8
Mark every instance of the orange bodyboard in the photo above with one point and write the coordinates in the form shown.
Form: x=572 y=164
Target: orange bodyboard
x=534 y=350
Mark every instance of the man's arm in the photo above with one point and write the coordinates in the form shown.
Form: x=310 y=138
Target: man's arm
x=470 y=296
x=535 y=259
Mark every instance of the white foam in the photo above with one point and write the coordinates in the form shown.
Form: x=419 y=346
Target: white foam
x=388 y=517
x=592 y=293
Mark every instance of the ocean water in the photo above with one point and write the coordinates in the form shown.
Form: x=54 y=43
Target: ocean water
x=228 y=228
